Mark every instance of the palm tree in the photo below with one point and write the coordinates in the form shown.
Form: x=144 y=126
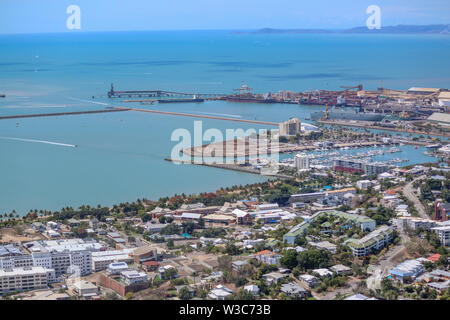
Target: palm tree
x=194 y=275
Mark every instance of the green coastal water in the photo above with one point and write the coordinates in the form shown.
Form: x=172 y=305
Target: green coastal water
x=119 y=156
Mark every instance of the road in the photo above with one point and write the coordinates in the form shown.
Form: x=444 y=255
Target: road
x=408 y=191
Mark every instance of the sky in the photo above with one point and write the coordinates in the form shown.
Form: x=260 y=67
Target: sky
x=39 y=16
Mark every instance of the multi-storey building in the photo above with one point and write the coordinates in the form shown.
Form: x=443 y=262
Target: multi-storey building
x=443 y=233
x=414 y=223
x=290 y=127
x=102 y=259
x=301 y=161
x=348 y=165
x=374 y=241
x=23 y=279
x=20 y=261
x=64 y=256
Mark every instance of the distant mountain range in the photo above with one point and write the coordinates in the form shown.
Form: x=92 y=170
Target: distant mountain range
x=400 y=29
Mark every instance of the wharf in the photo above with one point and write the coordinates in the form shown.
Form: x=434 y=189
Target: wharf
x=361 y=124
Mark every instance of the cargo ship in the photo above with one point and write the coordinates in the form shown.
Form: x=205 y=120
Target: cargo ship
x=346 y=114
x=250 y=99
x=245 y=95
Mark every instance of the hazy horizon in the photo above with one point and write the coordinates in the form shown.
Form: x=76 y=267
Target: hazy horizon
x=47 y=16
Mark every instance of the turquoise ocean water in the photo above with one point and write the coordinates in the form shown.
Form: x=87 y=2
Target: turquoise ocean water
x=119 y=157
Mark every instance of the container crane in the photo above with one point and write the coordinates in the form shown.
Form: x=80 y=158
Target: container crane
x=244 y=88
x=348 y=88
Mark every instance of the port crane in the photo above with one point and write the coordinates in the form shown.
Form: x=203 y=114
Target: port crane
x=348 y=88
x=326 y=112
x=244 y=88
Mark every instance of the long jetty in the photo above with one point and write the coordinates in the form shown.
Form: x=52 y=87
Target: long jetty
x=200 y=116
x=60 y=114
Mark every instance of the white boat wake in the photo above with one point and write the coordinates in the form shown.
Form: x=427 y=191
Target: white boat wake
x=89 y=101
x=40 y=141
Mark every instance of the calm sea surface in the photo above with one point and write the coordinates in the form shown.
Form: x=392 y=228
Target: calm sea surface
x=119 y=156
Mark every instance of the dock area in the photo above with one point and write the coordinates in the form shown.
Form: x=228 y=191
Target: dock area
x=370 y=125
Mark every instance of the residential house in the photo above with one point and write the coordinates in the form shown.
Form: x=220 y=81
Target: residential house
x=309 y=280
x=273 y=277
x=340 y=269
x=268 y=257
x=322 y=272
x=294 y=290
x=220 y=292
x=189 y=289
x=252 y=288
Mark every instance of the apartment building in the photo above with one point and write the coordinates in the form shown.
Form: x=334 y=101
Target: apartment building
x=347 y=165
x=414 y=223
x=374 y=241
x=443 y=233
x=301 y=161
x=24 y=279
x=290 y=127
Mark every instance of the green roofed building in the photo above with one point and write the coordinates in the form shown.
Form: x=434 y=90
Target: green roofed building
x=296 y=232
x=374 y=241
x=365 y=223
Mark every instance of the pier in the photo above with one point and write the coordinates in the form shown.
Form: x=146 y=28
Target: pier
x=157 y=93
x=18 y=116
x=200 y=116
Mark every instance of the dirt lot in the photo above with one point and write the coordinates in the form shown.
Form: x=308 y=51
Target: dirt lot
x=19 y=234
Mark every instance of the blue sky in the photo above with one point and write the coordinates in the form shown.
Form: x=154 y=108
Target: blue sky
x=29 y=16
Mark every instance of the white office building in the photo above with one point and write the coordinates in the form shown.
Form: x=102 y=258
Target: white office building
x=24 y=279
x=102 y=259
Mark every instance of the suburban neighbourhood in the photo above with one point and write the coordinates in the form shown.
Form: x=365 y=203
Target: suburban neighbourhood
x=320 y=234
